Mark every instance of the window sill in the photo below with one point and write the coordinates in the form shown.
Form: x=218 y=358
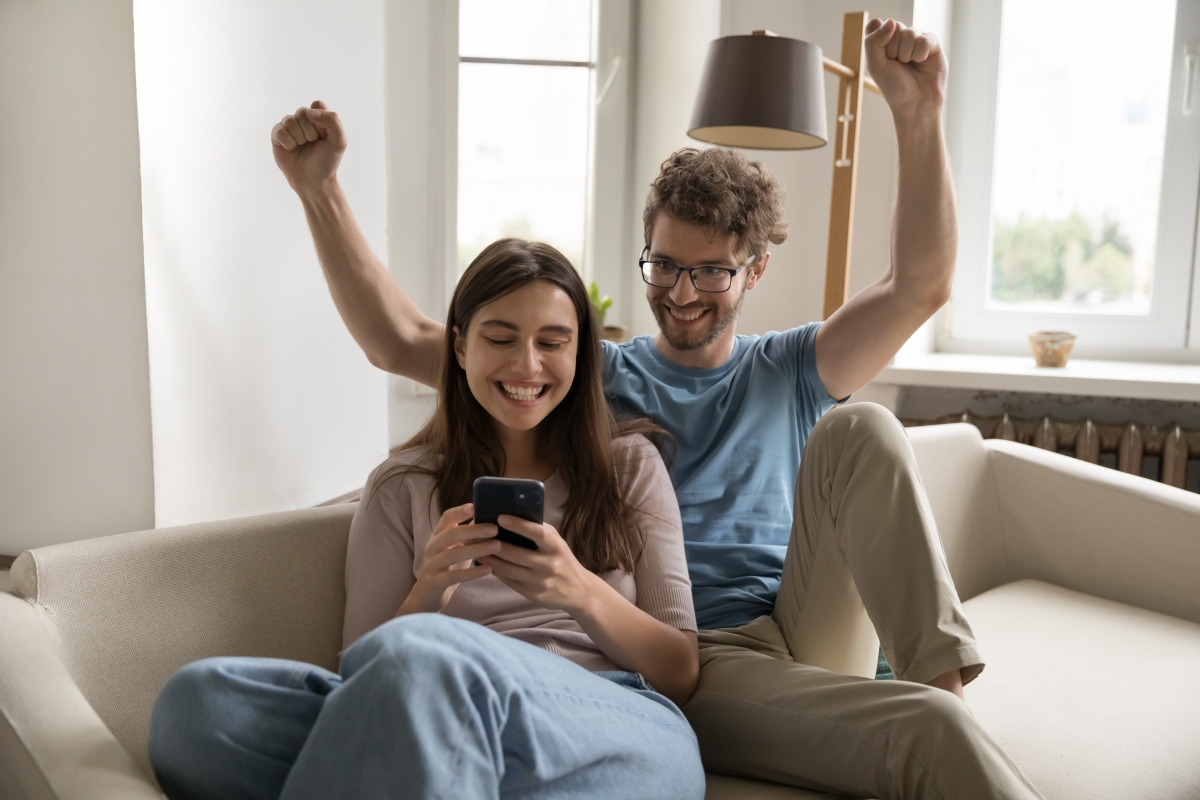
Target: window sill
x=1141 y=380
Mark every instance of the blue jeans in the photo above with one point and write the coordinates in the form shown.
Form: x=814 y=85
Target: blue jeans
x=426 y=706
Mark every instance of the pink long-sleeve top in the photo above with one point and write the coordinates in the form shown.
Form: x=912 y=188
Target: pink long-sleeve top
x=390 y=530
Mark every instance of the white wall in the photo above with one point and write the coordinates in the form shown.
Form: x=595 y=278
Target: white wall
x=261 y=400
x=75 y=453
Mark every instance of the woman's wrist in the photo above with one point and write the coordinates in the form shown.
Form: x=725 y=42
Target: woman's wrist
x=593 y=592
x=418 y=601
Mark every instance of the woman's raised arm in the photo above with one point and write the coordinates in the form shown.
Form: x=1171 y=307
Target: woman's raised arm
x=387 y=325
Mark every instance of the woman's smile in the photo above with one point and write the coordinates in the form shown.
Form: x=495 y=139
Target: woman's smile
x=522 y=393
x=519 y=354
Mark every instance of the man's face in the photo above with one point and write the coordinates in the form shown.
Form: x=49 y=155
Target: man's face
x=690 y=319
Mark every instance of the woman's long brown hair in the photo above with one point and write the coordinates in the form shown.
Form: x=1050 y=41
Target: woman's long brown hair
x=576 y=436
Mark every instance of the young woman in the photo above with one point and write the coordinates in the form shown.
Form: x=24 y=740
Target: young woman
x=474 y=667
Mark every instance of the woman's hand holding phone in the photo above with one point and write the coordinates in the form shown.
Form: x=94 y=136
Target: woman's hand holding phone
x=633 y=640
x=550 y=576
x=449 y=560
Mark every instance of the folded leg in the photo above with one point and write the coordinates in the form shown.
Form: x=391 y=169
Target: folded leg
x=433 y=706
x=426 y=706
x=865 y=564
x=787 y=698
x=231 y=728
x=760 y=714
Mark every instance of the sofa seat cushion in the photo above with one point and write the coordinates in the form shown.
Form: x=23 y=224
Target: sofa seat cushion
x=1091 y=698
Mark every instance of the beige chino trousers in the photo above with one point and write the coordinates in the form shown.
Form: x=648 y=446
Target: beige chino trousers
x=789 y=698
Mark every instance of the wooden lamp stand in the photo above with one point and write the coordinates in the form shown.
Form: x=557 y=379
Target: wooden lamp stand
x=852 y=79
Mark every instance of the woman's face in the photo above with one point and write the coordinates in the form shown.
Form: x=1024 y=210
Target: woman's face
x=519 y=354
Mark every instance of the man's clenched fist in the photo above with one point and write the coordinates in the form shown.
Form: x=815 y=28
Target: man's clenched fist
x=308 y=146
x=908 y=65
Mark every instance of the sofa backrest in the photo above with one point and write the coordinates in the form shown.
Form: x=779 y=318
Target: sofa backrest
x=957 y=475
x=131 y=609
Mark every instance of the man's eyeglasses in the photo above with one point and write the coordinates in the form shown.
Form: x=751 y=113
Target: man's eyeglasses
x=713 y=280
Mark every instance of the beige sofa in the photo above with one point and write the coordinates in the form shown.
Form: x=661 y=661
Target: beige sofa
x=1083 y=585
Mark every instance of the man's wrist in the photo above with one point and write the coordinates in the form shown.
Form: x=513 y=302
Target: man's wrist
x=918 y=118
x=919 y=130
x=320 y=194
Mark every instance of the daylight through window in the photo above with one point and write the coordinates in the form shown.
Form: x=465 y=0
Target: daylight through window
x=1081 y=122
x=524 y=121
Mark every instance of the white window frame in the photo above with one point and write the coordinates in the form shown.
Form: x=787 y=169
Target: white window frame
x=610 y=179
x=972 y=327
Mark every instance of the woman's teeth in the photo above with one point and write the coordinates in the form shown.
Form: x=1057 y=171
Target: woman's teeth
x=522 y=392
x=685 y=316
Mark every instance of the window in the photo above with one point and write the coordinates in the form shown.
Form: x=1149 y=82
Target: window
x=525 y=87
x=1077 y=160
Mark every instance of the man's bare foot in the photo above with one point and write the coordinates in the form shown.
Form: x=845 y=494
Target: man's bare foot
x=950 y=681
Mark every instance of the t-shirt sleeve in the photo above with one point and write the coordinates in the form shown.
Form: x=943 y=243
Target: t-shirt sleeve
x=796 y=349
x=663 y=588
x=379 y=556
x=608 y=359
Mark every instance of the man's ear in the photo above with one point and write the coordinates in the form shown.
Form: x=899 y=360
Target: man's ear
x=756 y=270
x=460 y=347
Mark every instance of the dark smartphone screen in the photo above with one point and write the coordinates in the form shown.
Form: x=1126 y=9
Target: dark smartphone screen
x=516 y=497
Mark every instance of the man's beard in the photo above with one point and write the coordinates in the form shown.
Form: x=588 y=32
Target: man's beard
x=704 y=339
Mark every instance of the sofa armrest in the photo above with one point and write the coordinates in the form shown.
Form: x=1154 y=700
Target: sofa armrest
x=1097 y=530
x=53 y=746
x=133 y=608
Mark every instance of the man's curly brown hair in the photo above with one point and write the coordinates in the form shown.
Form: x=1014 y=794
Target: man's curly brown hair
x=723 y=191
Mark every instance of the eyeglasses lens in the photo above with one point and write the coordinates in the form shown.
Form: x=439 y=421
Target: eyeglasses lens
x=659 y=274
x=711 y=280
x=667 y=275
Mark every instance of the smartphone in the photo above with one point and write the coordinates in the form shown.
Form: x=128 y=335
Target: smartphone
x=516 y=497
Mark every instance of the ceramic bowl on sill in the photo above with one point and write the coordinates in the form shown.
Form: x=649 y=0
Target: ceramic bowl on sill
x=1052 y=348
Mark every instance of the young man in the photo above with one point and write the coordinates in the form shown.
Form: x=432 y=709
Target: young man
x=791 y=602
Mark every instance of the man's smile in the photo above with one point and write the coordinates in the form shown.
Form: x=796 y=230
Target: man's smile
x=681 y=315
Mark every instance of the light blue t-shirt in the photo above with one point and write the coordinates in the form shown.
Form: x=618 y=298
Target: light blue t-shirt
x=739 y=430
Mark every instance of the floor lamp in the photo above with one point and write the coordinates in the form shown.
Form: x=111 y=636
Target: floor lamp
x=767 y=92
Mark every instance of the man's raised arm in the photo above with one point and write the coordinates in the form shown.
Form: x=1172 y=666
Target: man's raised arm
x=391 y=330
x=861 y=337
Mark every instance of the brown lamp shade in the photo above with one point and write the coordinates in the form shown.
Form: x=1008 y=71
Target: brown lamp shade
x=762 y=93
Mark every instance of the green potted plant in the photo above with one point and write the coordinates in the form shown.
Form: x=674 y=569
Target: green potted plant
x=614 y=333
